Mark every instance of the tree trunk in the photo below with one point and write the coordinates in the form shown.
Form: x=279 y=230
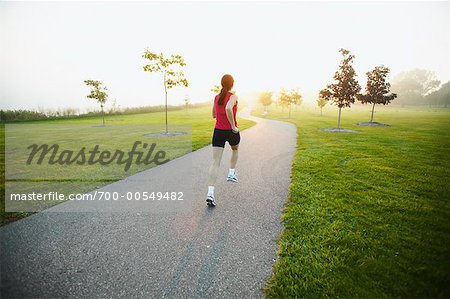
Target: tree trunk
x=103 y=115
x=320 y=111
x=290 y=105
x=165 y=90
x=339 y=119
x=373 y=108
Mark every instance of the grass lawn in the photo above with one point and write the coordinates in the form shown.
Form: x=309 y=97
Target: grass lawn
x=368 y=213
x=120 y=133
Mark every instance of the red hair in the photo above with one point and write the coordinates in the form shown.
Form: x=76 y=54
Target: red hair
x=227 y=84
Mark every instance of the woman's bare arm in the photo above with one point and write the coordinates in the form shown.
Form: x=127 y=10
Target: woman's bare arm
x=229 y=111
x=213 y=112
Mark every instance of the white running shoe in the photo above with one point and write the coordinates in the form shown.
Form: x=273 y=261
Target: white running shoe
x=232 y=178
x=210 y=201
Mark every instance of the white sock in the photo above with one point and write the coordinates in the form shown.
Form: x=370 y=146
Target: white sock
x=232 y=171
x=211 y=190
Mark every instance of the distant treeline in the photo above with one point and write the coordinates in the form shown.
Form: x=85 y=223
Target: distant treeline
x=440 y=97
x=69 y=113
x=420 y=87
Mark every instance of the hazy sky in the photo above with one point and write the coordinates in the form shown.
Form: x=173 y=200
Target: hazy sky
x=47 y=49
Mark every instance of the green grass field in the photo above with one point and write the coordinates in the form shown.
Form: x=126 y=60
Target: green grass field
x=368 y=214
x=120 y=133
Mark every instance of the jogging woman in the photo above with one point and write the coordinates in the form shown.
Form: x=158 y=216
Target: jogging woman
x=226 y=129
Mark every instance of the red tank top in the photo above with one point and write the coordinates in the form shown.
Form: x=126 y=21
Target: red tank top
x=222 y=122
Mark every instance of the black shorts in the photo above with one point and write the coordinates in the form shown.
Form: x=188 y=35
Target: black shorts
x=222 y=136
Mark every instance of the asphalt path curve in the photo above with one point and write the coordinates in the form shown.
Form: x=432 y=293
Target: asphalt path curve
x=222 y=252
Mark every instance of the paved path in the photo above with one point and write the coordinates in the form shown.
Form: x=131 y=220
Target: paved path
x=222 y=252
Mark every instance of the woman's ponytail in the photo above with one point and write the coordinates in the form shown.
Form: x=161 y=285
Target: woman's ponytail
x=227 y=85
x=223 y=94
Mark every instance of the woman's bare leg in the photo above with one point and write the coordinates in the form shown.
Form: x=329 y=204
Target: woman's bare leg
x=213 y=169
x=234 y=156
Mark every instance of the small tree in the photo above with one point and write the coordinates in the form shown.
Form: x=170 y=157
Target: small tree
x=344 y=92
x=186 y=103
x=296 y=99
x=265 y=98
x=114 y=107
x=283 y=99
x=321 y=102
x=377 y=89
x=172 y=78
x=216 y=89
x=98 y=93
x=287 y=98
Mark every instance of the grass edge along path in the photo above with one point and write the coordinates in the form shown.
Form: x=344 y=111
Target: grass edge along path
x=368 y=213
x=200 y=118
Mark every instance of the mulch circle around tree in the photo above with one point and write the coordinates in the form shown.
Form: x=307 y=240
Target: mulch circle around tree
x=170 y=134
x=372 y=124
x=335 y=130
